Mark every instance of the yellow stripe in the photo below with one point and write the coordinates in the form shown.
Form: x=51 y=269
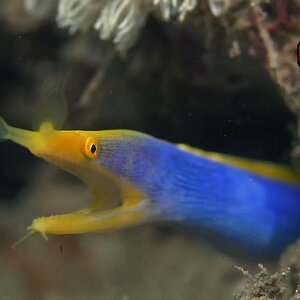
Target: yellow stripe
x=266 y=169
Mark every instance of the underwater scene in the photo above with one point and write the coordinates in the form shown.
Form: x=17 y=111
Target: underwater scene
x=149 y=149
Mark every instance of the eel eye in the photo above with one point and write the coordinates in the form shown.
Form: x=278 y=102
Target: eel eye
x=91 y=148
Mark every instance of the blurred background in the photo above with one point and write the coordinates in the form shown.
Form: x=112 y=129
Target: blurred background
x=218 y=75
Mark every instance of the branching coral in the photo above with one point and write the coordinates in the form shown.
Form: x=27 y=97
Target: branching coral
x=120 y=20
x=278 y=38
x=266 y=286
x=116 y=20
x=71 y=13
x=219 y=7
x=178 y=8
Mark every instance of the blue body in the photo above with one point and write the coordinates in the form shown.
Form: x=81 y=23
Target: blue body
x=239 y=210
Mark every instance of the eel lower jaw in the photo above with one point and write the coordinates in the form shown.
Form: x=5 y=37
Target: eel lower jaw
x=88 y=220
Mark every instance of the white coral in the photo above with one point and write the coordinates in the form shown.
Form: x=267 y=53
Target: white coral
x=120 y=20
x=219 y=7
x=71 y=13
x=175 y=8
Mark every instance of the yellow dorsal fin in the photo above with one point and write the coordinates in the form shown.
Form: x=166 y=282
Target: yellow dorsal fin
x=46 y=126
x=266 y=169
